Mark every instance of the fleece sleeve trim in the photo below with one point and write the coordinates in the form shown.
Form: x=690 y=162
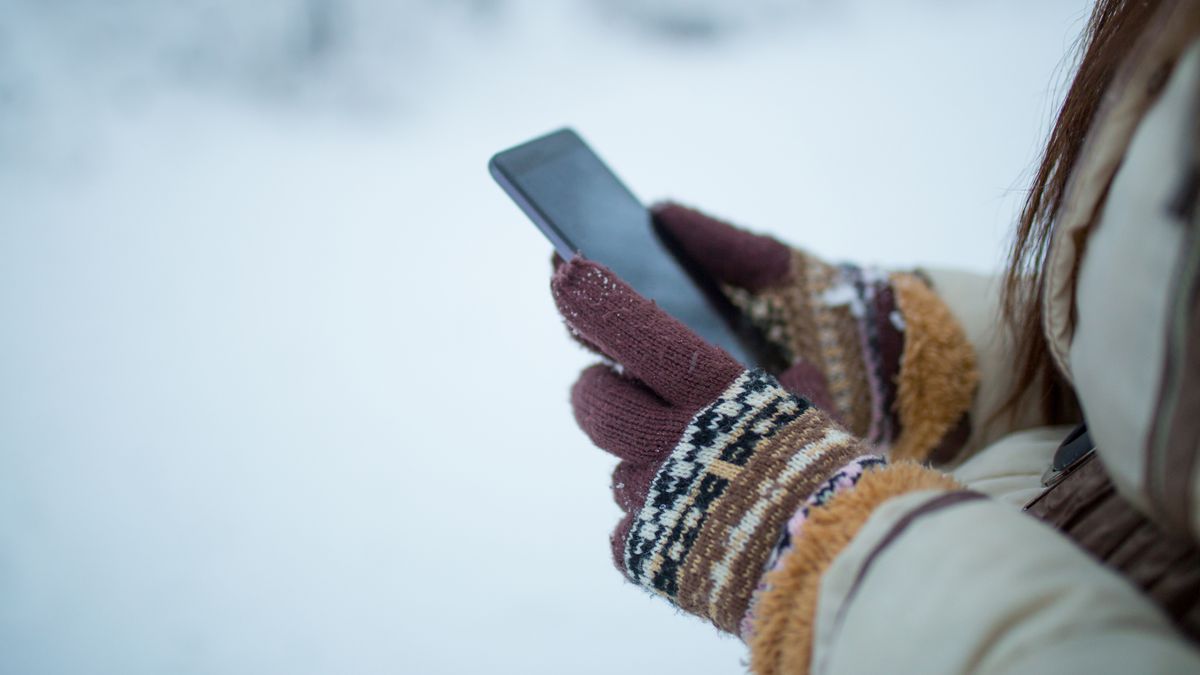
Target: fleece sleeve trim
x=783 y=632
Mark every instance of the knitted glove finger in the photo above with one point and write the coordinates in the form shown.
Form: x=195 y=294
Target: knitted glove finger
x=624 y=417
x=630 y=483
x=730 y=255
x=651 y=346
x=556 y=261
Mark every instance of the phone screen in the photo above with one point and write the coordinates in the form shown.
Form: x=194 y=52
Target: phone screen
x=581 y=206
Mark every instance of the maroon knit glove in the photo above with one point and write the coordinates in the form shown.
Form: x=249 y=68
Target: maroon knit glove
x=714 y=458
x=878 y=351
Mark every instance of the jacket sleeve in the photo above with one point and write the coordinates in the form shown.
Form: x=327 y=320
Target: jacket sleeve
x=948 y=581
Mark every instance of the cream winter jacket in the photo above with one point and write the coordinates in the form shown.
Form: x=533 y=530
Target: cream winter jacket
x=934 y=585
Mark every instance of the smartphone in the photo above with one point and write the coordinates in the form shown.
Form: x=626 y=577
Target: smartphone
x=584 y=209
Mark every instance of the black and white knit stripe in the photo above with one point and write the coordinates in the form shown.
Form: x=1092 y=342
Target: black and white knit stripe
x=663 y=532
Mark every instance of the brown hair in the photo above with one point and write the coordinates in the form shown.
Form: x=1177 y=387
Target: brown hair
x=1111 y=32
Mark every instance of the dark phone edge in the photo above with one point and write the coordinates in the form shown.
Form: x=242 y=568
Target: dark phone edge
x=766 y=355
x=565 y=248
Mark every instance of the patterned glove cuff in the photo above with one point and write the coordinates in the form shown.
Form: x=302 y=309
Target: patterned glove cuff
x=891 y=362
x=714 y=510
x=843 y=480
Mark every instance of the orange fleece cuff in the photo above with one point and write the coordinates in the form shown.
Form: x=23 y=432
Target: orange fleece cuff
x=783 y=631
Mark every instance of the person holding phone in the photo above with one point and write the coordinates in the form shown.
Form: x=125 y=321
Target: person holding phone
x=900 y=494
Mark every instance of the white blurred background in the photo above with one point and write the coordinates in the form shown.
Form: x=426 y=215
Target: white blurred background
x=281 y=385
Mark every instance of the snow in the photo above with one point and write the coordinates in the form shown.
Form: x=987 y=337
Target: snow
x=283 y=389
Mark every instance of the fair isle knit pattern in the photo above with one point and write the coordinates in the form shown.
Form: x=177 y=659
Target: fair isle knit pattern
x=714 y=509
x=841 y=319
x=881 y=339
x=832 y=303
x=844 y=479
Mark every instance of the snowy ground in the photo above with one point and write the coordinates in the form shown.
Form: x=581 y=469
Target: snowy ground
x=281 y=386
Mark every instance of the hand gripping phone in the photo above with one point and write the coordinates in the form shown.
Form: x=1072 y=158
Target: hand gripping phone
x=584 y=209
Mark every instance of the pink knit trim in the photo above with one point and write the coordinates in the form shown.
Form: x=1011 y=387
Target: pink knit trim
x=842 y=480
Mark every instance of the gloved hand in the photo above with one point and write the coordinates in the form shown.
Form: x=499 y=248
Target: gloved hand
x=877 y=351
x=719 y=465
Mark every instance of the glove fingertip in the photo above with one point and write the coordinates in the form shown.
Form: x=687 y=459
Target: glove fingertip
x=576 y=279
x=573 y=290
x=653 y=347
